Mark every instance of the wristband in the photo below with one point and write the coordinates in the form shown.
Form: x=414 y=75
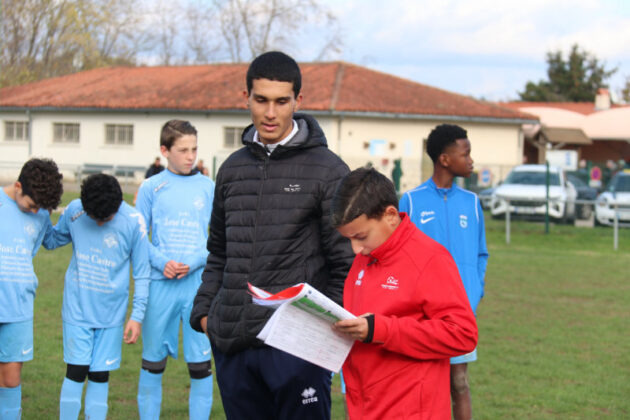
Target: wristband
x=370 y=334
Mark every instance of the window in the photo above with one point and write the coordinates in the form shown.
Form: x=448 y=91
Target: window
x=65 y=133
x=118 y=134
x=15 y=130
x=232 y=137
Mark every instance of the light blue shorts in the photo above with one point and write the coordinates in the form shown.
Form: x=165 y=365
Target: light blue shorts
x=16 y=341
x=100 y=348
x=170 y=304
x=465 y=358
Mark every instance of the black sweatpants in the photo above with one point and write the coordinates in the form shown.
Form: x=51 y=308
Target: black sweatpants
x=266 y=383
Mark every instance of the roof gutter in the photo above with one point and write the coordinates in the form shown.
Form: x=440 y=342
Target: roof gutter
x=329 y=113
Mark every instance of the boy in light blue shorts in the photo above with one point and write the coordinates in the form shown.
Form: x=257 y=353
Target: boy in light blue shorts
x=107 y=236
x=24 y=222
x=176 y=205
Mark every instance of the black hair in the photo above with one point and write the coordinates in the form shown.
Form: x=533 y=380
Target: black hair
x=41 y=180
x=174 y=129
x=441 y=137
x=101 y=196
x=275 y=65
x=362 y=191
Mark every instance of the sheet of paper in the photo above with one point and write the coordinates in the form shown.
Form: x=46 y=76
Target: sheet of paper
x=303 y=335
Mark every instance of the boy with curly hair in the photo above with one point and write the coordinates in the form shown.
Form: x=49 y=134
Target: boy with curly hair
x=24 y=222
x=107 y=236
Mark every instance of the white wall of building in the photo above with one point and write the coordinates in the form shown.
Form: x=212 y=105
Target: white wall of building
x=358 y=140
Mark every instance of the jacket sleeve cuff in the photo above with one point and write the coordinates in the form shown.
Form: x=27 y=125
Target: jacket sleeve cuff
x=381 y=329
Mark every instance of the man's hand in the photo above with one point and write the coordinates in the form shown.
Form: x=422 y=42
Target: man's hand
x=356 y=328
x=174 y=269
x=132 y=331
x=204 y=324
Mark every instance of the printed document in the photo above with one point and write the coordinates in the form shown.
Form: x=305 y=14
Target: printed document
x=301 y=325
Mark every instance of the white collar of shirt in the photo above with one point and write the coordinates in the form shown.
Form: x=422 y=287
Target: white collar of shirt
x=270 y=147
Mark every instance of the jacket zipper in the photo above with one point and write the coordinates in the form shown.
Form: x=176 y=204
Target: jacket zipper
x=258 y=202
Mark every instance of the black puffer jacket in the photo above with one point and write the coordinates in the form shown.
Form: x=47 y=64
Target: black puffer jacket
x=271 y=227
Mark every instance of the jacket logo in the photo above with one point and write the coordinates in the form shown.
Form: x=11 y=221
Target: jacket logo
x=424 y=216
x=308 y=396
x=463 y=221
x=390 y=284
x=357 y=282
x=293 y=188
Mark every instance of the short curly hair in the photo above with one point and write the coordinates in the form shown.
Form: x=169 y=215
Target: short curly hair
x=101 y=196
x=41 y=180
x=441 y=137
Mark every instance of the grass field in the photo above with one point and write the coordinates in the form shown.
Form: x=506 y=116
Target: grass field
x=553 y=327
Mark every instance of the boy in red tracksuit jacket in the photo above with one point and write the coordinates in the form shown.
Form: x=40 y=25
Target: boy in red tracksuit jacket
x=415 y=313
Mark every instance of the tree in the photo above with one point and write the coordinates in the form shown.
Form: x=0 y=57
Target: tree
x=247 y=28
x=625 y=91
x=575 y=79
x=47 y=38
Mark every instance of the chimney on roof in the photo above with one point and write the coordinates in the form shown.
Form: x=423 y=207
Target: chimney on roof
x=602 y=99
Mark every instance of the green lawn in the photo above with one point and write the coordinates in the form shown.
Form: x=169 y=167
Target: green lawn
x=553 y=327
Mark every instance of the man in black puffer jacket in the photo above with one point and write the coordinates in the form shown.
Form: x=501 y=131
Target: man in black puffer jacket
x=270 y=226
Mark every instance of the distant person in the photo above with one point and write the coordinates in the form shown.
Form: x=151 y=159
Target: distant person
x=176 y=206
x=155 y=168
x=24 y=221
x=452 y=216
x=200 y=168
x=271 y=227
x=108 y=238
x=411 y=306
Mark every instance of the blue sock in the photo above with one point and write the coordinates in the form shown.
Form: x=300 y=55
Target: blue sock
x=149 y=395
x=96 y=400
x=70 y=400
x=200 y=398
x=11 y=403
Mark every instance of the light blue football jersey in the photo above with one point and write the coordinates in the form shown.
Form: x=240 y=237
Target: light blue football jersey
x=177 y=209
x=21 y=235
x=96 y=288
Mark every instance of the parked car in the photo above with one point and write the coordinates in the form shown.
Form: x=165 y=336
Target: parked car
x=525 y=188
x=584 y=192
x=617 y=195
x=485 y=197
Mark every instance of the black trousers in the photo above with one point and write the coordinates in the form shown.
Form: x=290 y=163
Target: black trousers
x=266 y=383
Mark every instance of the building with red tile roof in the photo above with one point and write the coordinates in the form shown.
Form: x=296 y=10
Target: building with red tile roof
x=113 y=115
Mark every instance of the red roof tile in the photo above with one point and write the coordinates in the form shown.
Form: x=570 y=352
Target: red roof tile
x=584 y=108
x=334 y=86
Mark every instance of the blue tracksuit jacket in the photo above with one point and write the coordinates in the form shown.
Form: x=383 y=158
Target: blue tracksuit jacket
x=453 y=217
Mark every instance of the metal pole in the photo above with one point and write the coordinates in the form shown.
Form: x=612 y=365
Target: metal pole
x=507 y=223
x=547 y=199
x=616 y=229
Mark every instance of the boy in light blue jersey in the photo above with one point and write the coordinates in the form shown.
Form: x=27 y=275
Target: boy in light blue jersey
x=452 y=216
x=24 y=222
x=107 y=236
x=176 y=205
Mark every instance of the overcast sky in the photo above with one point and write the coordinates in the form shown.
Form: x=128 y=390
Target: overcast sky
x=483 y=48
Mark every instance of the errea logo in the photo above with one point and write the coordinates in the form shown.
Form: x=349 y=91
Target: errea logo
x=110 y=240
x=308 y=396
x=293 y=188
x=463 y=221
x=359 y=278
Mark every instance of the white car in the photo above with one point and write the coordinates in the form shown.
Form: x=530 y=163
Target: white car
x=617 y=195
x=525 y=189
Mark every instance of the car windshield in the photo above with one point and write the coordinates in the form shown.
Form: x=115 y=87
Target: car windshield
x=620 y=183
x=577 y=182
x=532 y=178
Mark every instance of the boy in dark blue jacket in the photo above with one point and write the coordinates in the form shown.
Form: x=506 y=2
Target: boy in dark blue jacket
x=452 y=216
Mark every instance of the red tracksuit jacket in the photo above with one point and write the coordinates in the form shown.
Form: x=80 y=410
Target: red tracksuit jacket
x=422 y=318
